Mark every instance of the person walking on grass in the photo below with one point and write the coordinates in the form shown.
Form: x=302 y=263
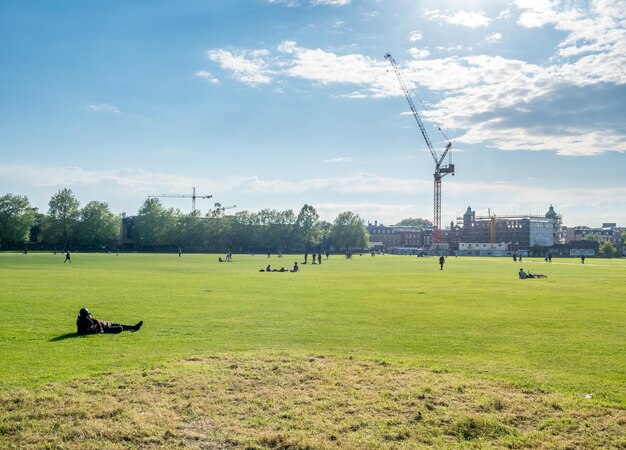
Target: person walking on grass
x=87 y=324
x=442 y=261
x=67 y=257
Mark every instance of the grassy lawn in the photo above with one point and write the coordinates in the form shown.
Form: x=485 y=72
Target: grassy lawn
x=474 y=323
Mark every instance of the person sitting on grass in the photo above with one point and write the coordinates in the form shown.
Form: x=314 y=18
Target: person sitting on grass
x=295 y=267
x=87 y=324
x=523 y=275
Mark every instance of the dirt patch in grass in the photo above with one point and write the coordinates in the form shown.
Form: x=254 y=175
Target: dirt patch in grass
x=294 y=402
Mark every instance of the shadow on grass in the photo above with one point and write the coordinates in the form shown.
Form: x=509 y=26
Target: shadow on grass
x=65 y=336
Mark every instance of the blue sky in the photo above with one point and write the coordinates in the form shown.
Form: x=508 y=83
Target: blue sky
x=277 y=103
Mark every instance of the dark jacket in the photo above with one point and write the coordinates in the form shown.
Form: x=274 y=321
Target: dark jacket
x=88 y=325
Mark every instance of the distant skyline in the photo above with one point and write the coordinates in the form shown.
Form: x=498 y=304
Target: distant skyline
x=278 y=103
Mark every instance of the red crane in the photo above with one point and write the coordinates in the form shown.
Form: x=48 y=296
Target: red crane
x=440 y=170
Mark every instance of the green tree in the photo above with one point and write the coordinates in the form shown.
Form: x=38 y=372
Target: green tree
x=326 y=227
x=307 y=230
x=282 y=229
x=607 y=249
x=219 y=229
x=98 y=225
x=191 y=231
x=349 y=231
x=274 y=228
x=415 y=222
x=62 y=219
x=594 y=237
x=153 y=225
x=16 y=219
x=243 y=231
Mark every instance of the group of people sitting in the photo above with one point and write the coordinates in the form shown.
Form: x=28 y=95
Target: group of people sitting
x=295 y=268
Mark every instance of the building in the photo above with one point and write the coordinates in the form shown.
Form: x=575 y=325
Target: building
x=575 y=249
x=483 y=249
x=519 y=232
x=382 y=237
x=608 y=232
x=387 y=237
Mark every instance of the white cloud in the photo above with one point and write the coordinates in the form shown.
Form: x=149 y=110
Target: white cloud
x=493 y=38
x=331 y=2
x=130 y=187
x=453 y=48
x=598 y=29
x=207 y=76
x=415 y=36
x=288 y=47
x=325 y=68
x=479 y=93
x=248 y=67
x=536 y=13
x=135 y=180
x=390 y=213
x=288 y=3
x=505 y=14
x=360 y=183
x=470 y=19
x=418 y=53
x=335 y=160
x=104 y=107
x=338 y=24
x=567 y=142
x=355 y=95
x=370 y=14
x=507 y=103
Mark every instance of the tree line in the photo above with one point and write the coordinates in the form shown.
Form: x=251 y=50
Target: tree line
x=67 y=225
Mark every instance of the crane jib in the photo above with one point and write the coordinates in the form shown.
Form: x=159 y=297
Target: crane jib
x=438 y=159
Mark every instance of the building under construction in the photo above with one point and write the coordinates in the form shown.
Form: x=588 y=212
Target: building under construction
x=519 y=232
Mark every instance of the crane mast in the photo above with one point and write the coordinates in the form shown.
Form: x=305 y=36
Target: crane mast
x=440 y=170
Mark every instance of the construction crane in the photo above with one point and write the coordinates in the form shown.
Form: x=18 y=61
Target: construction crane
x=440 y=170
x=193 y=197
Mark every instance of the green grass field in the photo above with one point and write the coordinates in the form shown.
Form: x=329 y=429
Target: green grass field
x=560 y=338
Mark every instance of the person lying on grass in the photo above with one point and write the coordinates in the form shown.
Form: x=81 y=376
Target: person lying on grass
x=523 y=275
x=86 y=324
